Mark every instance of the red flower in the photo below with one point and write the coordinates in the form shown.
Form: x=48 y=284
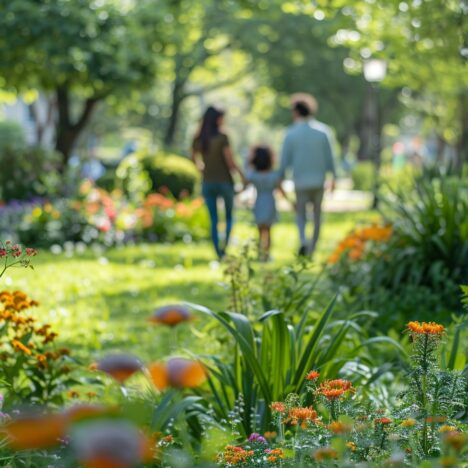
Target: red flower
x=313 y=375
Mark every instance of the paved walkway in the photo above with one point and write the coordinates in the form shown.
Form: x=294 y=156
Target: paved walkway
x=342 y=199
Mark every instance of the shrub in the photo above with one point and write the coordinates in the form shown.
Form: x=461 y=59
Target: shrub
x=145 y=172
x=415 y=270
x=28 y=172
x=11 y=136
x=363 y=175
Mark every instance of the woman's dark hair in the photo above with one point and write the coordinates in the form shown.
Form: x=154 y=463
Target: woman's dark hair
x=302 y=108
x=209 y=127
x=262 y=159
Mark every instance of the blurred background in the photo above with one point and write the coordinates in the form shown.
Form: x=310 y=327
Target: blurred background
x=112 y=91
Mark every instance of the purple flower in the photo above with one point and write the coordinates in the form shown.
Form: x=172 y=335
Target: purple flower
x=257 y=438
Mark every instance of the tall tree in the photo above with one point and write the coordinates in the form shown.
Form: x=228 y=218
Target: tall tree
x=80 y=53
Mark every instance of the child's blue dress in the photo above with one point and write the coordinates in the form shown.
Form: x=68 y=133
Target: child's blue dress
x=265 y=206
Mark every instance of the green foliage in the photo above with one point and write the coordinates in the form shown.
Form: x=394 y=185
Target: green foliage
x=145 y=172
x=416 y=273
x=11 y=136
x=363 y=175
x=175 y=173
x=28 y=172
x=274 y=351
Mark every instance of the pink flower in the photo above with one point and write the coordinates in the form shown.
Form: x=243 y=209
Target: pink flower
x=31 y=252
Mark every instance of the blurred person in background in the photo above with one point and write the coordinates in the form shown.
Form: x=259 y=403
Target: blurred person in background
x=217 y=166
x=308 y=153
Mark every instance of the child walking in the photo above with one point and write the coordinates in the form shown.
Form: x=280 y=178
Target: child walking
x=265 y=180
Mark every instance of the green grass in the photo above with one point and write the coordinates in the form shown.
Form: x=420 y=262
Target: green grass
x=100 y=301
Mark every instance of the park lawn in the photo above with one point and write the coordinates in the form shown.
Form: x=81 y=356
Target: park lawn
x=99 y=301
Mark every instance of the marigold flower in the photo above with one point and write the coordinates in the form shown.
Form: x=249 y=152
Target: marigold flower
x=171 y=315
x=18 y=346
x=325 y=453
x=335 y=389
x=436 y=419
x=447 y=428
x=338 y=427
x=408 y=422
x=426 y=328
x=455 y=439
x=35 y=432
x=302 y=415
x=313 y=375
x=352 y=446
x=177 y=373
x=382 y=421
x=278 y=406
x=274 y=454
x=235 y=455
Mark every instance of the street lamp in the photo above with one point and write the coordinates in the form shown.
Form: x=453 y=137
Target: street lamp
x=374 y=72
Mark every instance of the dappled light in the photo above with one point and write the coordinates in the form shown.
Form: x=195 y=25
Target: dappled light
x=233 y=233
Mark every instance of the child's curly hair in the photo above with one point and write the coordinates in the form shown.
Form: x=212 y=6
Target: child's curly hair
x=262 y=158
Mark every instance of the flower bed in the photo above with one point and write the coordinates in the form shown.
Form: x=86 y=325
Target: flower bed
x=96 y=215
x=279 y=394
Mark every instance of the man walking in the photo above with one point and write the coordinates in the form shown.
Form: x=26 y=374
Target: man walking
x=307 y=151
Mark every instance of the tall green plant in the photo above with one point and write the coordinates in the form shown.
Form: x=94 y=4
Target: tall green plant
x=271 y=356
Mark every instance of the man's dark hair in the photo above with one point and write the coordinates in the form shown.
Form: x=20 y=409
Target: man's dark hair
x=301 y=108
x=262 y=158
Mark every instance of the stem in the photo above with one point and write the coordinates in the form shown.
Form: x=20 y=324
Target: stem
x=333 y=410
x=424 y=367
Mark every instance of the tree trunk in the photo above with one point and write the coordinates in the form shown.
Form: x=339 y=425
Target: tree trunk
x=67 y=132
x=462 y=146
x=178 y=97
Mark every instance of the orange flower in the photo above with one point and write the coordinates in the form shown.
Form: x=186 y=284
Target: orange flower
x=81 y=411
x=119 y=366
x=456 y=439
x=177 y=373
x=382 y=421
x=236 y=455
x=436 y=419
x=278 y=407
x=335 y=389
x=325 y=453
x=270 y=435
x=171 y=315
x=18 y=346
x=35 y=432
x=447 y=428
x=302 y=415
x=273 y=455
x=338 y=427
x=313 y=375
x=426 y=328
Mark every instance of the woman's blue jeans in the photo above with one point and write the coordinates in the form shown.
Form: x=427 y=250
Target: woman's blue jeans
x=212 y=191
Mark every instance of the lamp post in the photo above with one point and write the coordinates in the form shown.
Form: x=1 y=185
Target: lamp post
x=374 y=72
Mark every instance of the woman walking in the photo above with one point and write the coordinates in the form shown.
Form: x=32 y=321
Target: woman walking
x=217 y=168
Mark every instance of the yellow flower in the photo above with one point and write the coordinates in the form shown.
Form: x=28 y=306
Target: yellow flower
x=426 y=328
x=351 y=446
x=447 y=428
x=408 y=422
x=21 y=347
